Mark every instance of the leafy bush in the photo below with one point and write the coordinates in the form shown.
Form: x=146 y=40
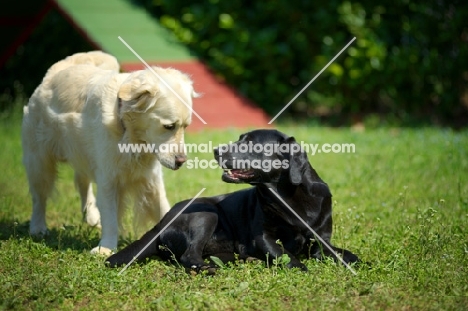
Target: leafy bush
x=409 y=59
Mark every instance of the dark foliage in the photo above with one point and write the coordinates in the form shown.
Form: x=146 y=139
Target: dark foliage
x=410 y=59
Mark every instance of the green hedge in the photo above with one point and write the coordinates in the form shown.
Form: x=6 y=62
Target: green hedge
x=409 y=60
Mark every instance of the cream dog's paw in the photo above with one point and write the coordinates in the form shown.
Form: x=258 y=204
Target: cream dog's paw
x=101 y=250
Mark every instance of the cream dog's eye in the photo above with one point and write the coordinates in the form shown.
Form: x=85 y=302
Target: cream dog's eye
x=169 y=126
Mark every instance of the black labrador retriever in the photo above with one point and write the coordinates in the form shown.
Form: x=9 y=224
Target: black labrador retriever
x=249 y=222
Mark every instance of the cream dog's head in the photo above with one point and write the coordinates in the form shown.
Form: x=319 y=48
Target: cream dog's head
x=152 y=114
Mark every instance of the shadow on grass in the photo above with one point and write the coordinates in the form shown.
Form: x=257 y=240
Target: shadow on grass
x=79 y=238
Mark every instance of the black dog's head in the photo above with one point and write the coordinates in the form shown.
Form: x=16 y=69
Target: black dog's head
x=261 y=156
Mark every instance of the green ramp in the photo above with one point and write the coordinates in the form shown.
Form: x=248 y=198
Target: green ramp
x=104 y=21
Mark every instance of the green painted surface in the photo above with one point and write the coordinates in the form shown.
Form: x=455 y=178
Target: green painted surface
x=105 y=21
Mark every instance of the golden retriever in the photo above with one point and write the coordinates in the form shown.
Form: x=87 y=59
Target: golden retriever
x=83 y=109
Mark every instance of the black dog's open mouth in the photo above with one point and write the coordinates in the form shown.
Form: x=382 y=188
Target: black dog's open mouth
x=238 y=175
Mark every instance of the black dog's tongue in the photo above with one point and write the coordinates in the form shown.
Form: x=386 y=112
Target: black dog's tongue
x=240 y=174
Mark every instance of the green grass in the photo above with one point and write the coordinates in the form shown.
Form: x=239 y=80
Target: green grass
x=400 y=203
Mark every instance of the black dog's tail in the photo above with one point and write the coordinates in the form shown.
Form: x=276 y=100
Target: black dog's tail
x=141 y=249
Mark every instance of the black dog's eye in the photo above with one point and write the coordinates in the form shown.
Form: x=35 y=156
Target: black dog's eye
x=169 y=126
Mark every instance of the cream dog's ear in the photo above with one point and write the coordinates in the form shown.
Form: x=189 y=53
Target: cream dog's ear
x=139 y=90
x=189 y=81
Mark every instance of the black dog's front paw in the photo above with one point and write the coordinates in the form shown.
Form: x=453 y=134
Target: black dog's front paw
x=297 y=264
x=115 y=261
x=204 y=268
x=349 y=257
x=253 y=260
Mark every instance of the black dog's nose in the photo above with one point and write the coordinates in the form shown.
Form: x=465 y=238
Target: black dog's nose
x=216 y=152
x=180 y=159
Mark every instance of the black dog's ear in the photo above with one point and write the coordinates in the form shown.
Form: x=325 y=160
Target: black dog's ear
x=296 y=161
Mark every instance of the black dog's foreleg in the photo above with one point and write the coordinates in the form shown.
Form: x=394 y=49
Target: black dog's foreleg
x=324 y=229
x=268 y=245
x=131 y=251
x=201 y=228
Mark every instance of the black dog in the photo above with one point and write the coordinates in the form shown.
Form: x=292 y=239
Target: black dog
x=249 y=222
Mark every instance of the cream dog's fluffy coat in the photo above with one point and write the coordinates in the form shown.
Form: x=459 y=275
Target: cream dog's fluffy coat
x=80 y=113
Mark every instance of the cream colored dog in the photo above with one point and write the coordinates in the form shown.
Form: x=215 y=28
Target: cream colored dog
x=80 y=113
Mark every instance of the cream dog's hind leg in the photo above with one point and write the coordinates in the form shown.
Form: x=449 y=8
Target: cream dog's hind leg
x=88 y=202
x=41 y=173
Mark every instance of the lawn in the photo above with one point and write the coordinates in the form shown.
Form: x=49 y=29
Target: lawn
x=400 y=203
